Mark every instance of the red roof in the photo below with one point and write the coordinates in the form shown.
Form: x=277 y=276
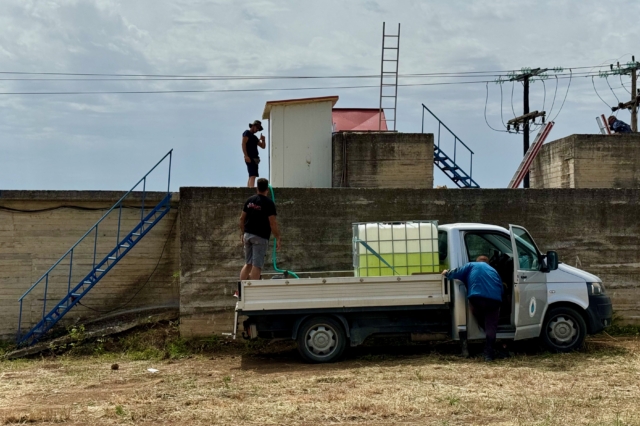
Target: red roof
x=358 y=119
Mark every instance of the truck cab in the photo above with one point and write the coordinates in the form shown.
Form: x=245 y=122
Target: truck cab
x=542 y=297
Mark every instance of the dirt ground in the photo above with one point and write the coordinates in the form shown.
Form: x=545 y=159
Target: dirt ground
x=384 y=384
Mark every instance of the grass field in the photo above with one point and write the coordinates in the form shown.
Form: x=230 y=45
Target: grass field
x=214 y=382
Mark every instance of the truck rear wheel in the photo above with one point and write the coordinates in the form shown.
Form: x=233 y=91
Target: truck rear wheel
x=321 y=339
x=564 y=330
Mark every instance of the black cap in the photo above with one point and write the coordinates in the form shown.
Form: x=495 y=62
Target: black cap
x=256 y=123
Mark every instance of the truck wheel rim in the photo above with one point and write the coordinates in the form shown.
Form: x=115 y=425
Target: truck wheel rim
x=563 y=330
x=321 y=340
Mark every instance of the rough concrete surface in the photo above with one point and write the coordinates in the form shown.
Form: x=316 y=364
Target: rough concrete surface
x=588 y=161
x=594 y=229
x=382 y=160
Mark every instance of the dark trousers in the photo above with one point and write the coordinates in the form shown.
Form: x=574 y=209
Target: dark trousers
x=486 y=312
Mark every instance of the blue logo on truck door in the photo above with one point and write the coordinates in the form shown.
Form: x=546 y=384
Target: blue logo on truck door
x=532 y=307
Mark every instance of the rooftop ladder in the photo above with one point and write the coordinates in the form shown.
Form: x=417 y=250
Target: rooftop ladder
x=389 y=77
x=61 y=274
x=447 y=163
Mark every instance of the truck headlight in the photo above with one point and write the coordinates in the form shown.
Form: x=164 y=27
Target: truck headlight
x=595 y=288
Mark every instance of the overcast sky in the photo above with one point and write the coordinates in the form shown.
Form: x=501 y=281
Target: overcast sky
x=109 y=141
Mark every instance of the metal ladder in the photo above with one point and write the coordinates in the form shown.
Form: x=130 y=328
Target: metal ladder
x=603 y=124
x=531 y=155
x=99 y=268
x=389 y=77
x=448 y=164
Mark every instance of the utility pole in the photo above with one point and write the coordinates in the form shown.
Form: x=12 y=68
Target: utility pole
x=527 y=116
x=632 y=69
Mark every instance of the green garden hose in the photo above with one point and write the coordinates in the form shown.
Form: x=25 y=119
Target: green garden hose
x=275 y=267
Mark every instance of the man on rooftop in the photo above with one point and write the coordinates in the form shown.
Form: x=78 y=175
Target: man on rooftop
x=250 y=144
x=618 y=126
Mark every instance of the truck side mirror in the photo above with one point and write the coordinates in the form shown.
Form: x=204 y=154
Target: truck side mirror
x=552 y=260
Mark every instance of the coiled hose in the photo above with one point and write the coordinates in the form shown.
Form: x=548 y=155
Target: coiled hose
x=275 y=242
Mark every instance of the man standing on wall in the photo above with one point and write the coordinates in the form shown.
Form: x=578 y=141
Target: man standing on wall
x=257 y=222
x=484 y=292
x=250 y=144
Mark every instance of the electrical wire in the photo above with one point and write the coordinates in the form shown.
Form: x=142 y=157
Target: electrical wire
x=122 y=92
x=563 y=101
x=594 y=88
x=486 y=101
x=513 y=86
x=554 y=97
x=614 y=93
x=622 y=84
x=145 y=283
x=501 y=102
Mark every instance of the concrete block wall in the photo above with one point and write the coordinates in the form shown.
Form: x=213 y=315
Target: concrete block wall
x=382 y=160
x=37 y=227
x=594 y=229
x=588 y=161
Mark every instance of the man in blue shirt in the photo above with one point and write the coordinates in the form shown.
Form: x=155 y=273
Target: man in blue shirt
x=618 y=126
x=484 y=292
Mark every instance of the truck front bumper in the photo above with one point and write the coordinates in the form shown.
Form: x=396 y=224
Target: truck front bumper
x=599 y=313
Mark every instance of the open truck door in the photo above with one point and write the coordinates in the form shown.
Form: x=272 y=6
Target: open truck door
x=529 y=285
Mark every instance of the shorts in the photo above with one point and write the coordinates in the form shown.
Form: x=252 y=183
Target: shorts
x=252 y=168
x=255 y=250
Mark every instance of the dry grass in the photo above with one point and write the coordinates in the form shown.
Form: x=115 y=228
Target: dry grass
x=374 y=385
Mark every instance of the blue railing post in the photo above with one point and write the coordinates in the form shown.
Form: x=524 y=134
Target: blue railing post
x=471 y=166
x=70 y=272
x=438 y=134
x=46 y=288
x=95 y=246
x=171 y=155
x=19 y=323
x=423 y=119
x=144 y=188
x=119 y=220
x=455 y=145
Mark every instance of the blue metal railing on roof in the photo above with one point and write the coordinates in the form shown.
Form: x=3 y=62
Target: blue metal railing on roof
x=449 y=165
x=98 y=269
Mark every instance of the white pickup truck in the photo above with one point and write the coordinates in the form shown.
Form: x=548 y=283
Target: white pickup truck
x=543 y=299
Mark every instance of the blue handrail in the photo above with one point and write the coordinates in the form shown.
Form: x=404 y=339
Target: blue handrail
x=455 y=144
x=94 y=229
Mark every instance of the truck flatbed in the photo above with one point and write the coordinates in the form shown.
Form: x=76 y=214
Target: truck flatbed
x=343 y=292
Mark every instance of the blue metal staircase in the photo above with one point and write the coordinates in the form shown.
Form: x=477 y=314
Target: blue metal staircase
x=98 y=269
x=448 y=164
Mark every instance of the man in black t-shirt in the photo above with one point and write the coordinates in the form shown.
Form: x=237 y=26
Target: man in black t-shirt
x=250 y=144
x=257 y=222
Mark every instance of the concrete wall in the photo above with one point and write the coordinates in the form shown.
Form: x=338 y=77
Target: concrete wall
x=300 y=145
x=596 y=230
x=588 y=161
x=382 y=160
x=37 y=227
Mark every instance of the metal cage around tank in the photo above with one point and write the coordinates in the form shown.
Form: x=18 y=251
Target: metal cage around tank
x=395 y=248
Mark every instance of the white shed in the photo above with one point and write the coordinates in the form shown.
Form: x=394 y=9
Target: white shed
x=300 y=142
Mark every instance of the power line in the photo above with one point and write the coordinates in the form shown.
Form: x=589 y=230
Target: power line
x=596 y=90
x=611 y=88
x=563 y=101
x=255 y=90
x=486 y=101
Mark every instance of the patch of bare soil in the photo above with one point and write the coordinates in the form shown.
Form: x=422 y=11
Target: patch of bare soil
x=373 y=385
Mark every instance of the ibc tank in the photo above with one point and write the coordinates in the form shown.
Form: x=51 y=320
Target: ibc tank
x=409 y=247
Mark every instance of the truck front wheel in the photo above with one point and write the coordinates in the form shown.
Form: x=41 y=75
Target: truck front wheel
x=321 y=339
x=564 y=330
